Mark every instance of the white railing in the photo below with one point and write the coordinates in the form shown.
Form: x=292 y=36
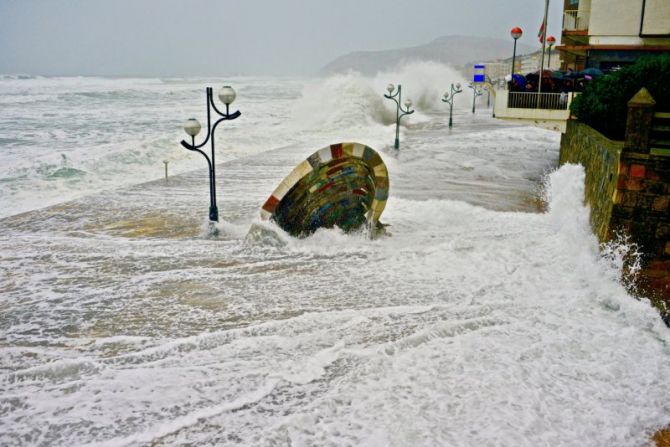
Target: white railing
x=576 y=20
x=529 y=100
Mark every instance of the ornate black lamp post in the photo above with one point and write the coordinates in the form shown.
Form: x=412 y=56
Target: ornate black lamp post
x=515 y=33
x=399 y=109
x=449 y=98
x=192 y=128
x=476 y=91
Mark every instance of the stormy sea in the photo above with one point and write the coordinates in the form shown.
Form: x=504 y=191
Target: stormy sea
x=487 y=315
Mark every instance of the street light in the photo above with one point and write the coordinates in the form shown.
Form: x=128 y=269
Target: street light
x=515 y=33
x=551 y=40
x=192 y=128
x=487 y=88
x=398 y=115
x=449 y=98
x=476 y=91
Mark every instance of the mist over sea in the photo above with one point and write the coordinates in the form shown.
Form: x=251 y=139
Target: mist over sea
x=62 y=138
x=489 y=315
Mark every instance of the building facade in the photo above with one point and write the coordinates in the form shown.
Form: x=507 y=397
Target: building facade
x=524 y=63
x=530 y=63
x=608 y=34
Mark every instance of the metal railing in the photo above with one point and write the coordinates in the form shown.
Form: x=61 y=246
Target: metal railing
x=576 y=20
x=529 y=100
x=659 y=137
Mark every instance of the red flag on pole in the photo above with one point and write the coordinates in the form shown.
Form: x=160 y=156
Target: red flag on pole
x=540 y=34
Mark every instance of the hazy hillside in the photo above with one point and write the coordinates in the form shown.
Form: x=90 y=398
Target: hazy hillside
x=453 y=50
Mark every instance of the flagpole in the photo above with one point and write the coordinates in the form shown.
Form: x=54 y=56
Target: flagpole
x=544 y=33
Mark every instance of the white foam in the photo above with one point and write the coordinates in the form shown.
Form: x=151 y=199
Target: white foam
x=465 y=326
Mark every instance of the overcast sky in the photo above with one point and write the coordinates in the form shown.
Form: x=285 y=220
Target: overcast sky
x=224 y=37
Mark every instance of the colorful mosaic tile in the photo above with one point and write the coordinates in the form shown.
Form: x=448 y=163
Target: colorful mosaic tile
x=344 y=185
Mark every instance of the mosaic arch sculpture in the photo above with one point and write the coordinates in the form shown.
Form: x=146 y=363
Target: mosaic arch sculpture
x=344 y=185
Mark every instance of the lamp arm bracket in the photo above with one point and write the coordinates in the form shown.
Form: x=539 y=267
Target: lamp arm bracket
x=389 y=96
x=394 y=100
x=232 y=116
x=197 y=146
x=195 y=149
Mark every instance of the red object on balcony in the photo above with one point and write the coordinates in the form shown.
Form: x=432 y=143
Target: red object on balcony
x=637 y=170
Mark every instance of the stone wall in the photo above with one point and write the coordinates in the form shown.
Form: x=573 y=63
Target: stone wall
x=628 y=191
x=583 y=145
x=641 y=210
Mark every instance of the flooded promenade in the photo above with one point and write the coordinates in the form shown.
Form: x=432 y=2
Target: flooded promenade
x=487 y=316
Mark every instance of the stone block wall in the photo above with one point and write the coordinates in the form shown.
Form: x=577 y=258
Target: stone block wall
x=600 y=156
x=642 y=210
x=628 y=191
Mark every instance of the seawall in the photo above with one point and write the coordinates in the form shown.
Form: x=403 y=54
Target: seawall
x=628 y=191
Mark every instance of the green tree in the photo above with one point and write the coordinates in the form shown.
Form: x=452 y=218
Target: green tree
x=603 y=104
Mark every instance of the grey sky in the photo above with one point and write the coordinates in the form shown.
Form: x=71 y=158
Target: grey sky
x=224 y=37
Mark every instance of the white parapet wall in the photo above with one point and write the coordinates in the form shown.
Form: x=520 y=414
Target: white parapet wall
x=553 y=117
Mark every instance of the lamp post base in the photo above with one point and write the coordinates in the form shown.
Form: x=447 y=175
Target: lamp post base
x=213 y=213
x=397 y=144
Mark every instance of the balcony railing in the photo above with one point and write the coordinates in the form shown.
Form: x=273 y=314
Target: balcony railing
x=552 y=111
x=576 y=20
x=529 y=100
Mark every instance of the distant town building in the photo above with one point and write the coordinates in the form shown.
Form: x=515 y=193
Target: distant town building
x=493 y=71
x=525 y=63
x=607 y=34
x=498 y=70
x=530 y=63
